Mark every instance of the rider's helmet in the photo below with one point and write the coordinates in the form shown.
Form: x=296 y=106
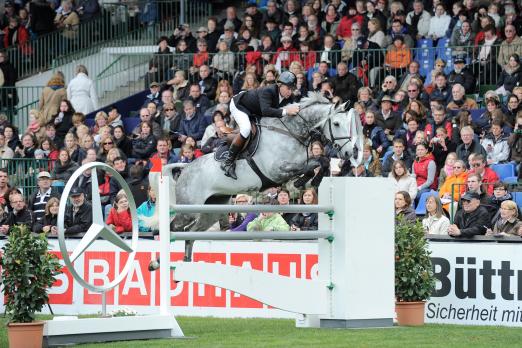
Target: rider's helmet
x=287 y=78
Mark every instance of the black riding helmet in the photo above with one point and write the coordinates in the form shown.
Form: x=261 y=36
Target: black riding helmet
x=287 y=78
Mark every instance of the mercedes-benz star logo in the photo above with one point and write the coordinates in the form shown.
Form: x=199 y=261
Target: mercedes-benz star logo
x=99 y=228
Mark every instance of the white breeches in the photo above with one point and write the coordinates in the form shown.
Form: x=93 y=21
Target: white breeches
x=241 y=118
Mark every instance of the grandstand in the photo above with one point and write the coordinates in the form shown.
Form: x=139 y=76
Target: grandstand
x=437 y=88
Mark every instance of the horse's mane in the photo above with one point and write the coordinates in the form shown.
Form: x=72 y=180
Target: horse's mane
x=313 y=98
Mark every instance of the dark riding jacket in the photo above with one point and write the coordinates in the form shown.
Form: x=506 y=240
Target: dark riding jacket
x=262 y=102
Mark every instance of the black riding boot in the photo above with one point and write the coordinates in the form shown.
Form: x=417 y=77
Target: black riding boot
x=301 y=182
x=229 y=165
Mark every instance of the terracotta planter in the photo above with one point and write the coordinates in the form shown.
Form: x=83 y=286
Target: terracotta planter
x=25 y=335
x=410 y=313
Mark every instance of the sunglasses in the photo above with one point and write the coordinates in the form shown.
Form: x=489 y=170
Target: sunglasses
x=108 y=143
x=412 y=90
x=476 y=165
x=169 y=109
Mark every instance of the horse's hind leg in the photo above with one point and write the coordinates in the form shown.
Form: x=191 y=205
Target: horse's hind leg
x=201 y=224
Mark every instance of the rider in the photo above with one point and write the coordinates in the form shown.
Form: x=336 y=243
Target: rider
x=270 y=101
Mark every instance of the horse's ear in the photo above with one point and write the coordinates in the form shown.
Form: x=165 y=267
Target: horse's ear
x=346 y=106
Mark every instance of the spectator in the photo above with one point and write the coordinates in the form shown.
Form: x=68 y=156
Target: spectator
x=119 y=219
x=375 y=134
x=459 y=101
x=5 y=151
x=403 y=207
x=462 y=38
x=454 y=185
x=51 y=97
x=207 y=83
x=511 y=45
x=435 y=221
x=86 y=143
x=515 y=143
x=418 y=21
x=231 y=17
x=402 y=179
x=318 y=167
x=441 y=90
x=306 y=221
x=398 y=29
x=81 y=92
x=78 y=215
x=486 y=61
x=27 y=148
x=461 y=75
x=496 y=144
x=511 y=110
x=345 y=84
x=252 y=11
x=331 y=20
x=145 y=116
x=144 y=144
x=114 y=118
x=469 y=145
x=375 y=34
x=472 y=220
x=350 y=170
x=106 y=144
x=160 y=63
x=148 y=11
x=240 y=221
x=179 y=85
x=49 y=222
x=88 y=9
x=508 y=223
x=183 y=58
x=200 y=101
x=138 y=183
x=373 y=13
x=11 y=137
x=273 y=13
x=223 y=61
x=169 y=119
x=213 y=34
x=192 y=124
x=474 y=184
x=413 y=72
x=493 y=111
x=424 y=169
x=42 y=17
x=8 y=95
x=511 y=76
x=64 y=167
x=146 y=210
x=388 y=119
x=285 y=54
x=488 y=176
x=344 y=30
x=69 y=22
x=268 y=221
x=439 y=120
x=439 y=23
x=500 y=194
x=17 y=35
x=20 y=215
x=399 y=153
x=447 y=169
x=163 y=151
x=398 y=57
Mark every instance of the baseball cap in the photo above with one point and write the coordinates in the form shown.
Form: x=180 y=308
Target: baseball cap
x=44 y=175
x=75 y=191
x=202 y=30
x=468 y=196
x=154 y=84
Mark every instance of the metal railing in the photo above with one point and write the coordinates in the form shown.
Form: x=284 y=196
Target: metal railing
x=118 y=20
x=23 y=172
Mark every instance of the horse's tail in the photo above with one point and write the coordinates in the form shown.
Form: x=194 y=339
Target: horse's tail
x=152 y=222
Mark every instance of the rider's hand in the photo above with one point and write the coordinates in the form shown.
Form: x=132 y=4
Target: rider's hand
x=292 y=110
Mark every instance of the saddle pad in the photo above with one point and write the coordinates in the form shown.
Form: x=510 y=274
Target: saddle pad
x=221 y=152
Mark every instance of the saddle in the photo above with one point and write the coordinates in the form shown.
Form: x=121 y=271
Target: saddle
x=248 y=150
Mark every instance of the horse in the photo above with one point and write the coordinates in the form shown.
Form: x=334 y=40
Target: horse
x=282 y=155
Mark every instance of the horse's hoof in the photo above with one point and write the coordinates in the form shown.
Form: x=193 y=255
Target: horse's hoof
x=154 y=265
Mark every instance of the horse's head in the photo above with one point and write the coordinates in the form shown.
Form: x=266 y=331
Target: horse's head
x=344 y=130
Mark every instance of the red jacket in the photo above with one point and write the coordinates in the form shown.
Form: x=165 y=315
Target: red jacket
x=122 y=221
x=20 y=38
x=293 y=55
x=489 y=177
x=421 y=170
x=308 y=59
x=344 y=29
x=429 y=126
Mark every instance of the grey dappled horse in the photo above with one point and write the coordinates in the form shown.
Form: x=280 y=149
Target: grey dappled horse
x=281 y=156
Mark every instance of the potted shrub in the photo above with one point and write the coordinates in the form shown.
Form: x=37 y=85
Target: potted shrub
x=414 y=279
x=28 y=270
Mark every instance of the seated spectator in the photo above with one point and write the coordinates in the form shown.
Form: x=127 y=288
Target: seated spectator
x=439 y=23
x=201 y=58
x=64 y=167
x=424 y=169
x=399 y=153
x=344 y=30
x=418 y=21
x=27 y=148
x=223 y=61
x=515 y=143
x=146 y=209
x=192 y=123
x=441 y=145
x=153 y=111
x=318 y=167
x=49 y=222
x=469 y=145
x=459 y=101
x=435 y=222
x=192 y=143
x=500 y=194
x=454 y=185
x=508 y=223
x=510 y=110
x=187 y=154
x=71 y=144
x=348 y=169
x=146 y=116
x=472 y=220
x=441 y=90
x=121 y=141
x=364 y=96
x=106 y=144
x=488 y=176
x=371 y=160
x=511 y=75
x=462 y=37
x=438 y=68
x=180 y=85
x=439 y=120
x=286 y=53
x=100 y=120
x=119 y=219
x=306 y=221
x=268 y=221
x=39 y=198
x=78 y=215
x=240 y=221
x=388 y=119
x=474 y=184
x=375 y=134
x=5 y=151
x=447 y=169
x=461 y=75
x=511 y=45
x=368 y=58
x=403 y=207
x=331 y=20
x=200 y=101
x=19 y=215
x=402 y=179
x=412 y=72
x=208 y=84
x=215 y=140
x=182 y=59
x=144 y=144
x=398 y=29
x=63 y=121
x=163 y=152
x=496 y=144
x=398 y=57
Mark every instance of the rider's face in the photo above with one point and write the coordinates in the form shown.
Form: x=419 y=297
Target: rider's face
x=285 y=91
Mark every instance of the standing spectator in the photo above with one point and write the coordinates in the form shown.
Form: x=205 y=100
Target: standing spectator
x=38 y=200
x=81 y=92
x=42 y=17
x=63 y=121
x=69 y=22
x=273 y=13
x=231 y=17
x=213 y=34
x=486 y=61
x=119 y=219
x=52 y=96
x=472 y=220
x=20 y=215
x=435 y=221
x=8 y=96
x=149 y=15
x=17 y=35
x=78 y=215
x=160 y=63
x=88 y=9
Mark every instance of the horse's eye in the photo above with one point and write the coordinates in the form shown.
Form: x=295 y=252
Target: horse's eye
x=336 y=124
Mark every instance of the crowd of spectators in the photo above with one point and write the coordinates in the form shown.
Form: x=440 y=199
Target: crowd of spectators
x=419 y=131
